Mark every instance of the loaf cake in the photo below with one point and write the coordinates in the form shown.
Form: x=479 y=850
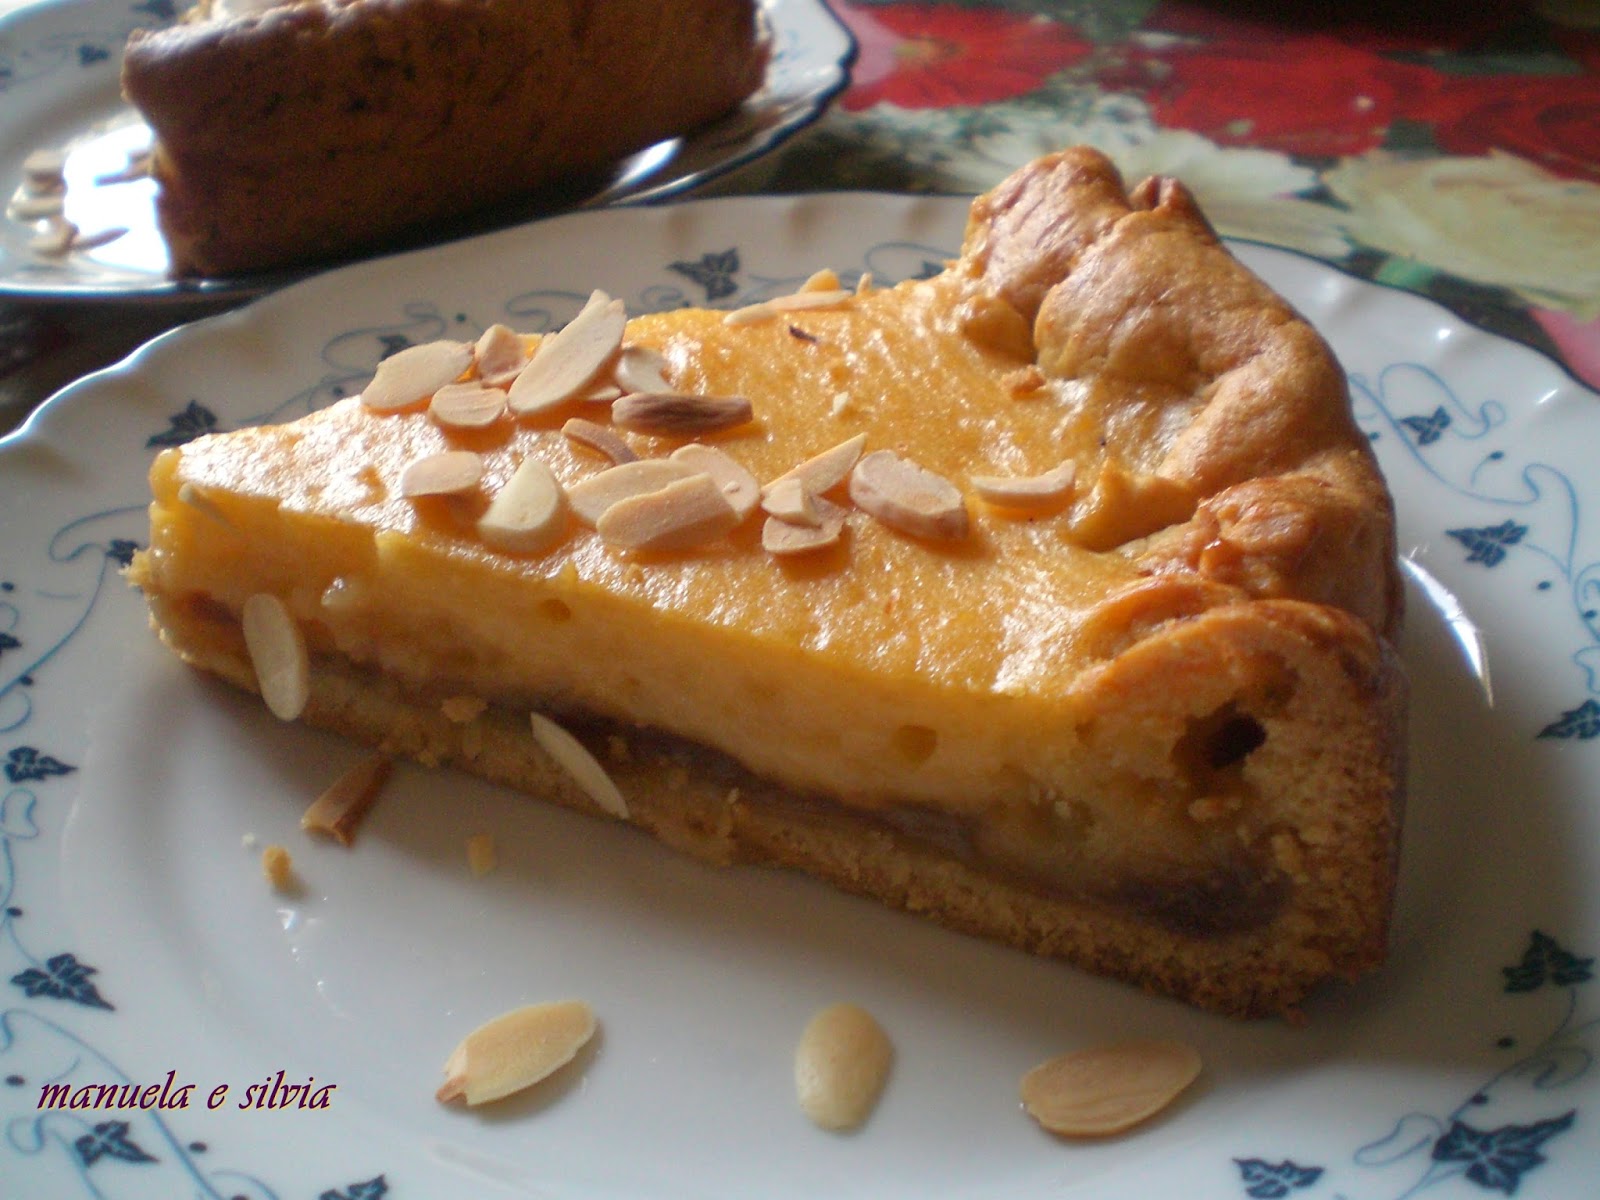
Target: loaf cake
x=1052 y=597
x=302 y=132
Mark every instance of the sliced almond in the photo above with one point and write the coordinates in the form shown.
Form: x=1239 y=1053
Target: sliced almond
x=642 y=369
x=515 y=1051
x=44 y=170
x=340 y=810
x=679 y=414
x=100 y=237
x=907 y=497
x=826 y=471
x=739 y=487
x=788 y=500
x=1108 y=1089
x=528 y=514
x=448 y=473
x=55 y=240
x=569 y=359
x=413 y=375
x=36 y=208
x=278 y=655
x=201 y=502
x=573 y=757
x=500 y=354
x=765 y=310
x=785 y=539
x=841 y=1065
x=592 y=496
x=599 y=393
x=686 y=513
x=599 y=438
x=468 y=405
x=1029 y=493
x=825 y=280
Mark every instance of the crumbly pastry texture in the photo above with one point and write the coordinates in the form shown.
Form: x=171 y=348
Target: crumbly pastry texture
x=1148 y=720
x=304 y=132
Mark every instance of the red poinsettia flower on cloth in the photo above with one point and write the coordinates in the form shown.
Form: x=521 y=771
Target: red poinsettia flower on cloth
x=1305 y=94
x=1551 y=120
x=939 y=55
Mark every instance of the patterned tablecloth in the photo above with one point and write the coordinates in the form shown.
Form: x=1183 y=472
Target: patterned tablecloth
x=1452 y=149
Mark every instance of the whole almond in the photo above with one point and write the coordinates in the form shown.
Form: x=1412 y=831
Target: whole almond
x=841 y=1065
x=411 y=376
x=1108 y=1089
x=515 y=1051
x=676 y=413
x=569 y=360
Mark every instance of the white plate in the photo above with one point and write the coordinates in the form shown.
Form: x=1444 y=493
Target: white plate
x=60 y=63
x=138 y=937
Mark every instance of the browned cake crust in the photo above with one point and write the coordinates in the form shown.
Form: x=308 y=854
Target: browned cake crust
x=317 y=129
x=1240 y=727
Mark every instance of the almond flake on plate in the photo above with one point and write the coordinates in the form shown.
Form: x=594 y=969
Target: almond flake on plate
x=841 y=1065
x=528 y=514
x=448 y=473
x=568 y=360
x=1108 y=1089
x=908 y=497
x=412 y=375
x=278 y=655
x=340 y=810
x=515 y=1051
x=573 y=757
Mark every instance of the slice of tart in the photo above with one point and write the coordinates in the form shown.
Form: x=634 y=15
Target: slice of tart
x=1051 y=597
x=290 y=132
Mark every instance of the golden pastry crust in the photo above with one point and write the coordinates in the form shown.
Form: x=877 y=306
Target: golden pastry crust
x=312 y=130
x=1199 y=374
x=1196 y=781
